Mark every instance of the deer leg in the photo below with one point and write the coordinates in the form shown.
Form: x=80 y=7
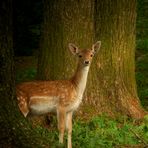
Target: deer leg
x=23 y=106
x=69 y=128
x=61 y=123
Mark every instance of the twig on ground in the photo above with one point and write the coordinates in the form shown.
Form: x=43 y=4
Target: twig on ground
x=140 y=138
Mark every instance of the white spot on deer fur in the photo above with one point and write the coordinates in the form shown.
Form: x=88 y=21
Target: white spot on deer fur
x=63 y=95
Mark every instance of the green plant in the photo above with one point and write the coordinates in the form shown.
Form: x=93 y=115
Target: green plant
x=26 y=74
x=104 y=132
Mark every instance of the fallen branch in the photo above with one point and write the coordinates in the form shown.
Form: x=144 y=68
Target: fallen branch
x=139 y=137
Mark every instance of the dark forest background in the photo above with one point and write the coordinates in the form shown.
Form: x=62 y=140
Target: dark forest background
x=28 y=16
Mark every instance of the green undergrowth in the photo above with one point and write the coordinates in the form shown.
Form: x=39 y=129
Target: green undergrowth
x=103 y=132
x=27 y=74
x=142 y=71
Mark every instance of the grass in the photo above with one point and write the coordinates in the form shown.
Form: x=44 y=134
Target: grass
x=106 y=132
x=103 y=132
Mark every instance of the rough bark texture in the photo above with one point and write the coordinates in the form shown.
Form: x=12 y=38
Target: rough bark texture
x=64 y=22
x=111 y=86
x=14 y=130
x=115 y=25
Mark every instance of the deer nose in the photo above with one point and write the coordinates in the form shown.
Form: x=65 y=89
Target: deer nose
x=86 y=62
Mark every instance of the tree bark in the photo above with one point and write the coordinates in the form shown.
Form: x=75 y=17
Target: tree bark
x=64 y=22
x=115 y=25
x=14 y=130
x=111 y=85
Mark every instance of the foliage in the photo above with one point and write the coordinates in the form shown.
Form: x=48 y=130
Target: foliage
x=142 y=21
x=103 y=132
x=142 y=52
x=26 y=75
x=142 y=71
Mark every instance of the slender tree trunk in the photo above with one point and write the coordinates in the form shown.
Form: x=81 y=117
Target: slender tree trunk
x=14 y=130
x=111 y=86
x=115 y=23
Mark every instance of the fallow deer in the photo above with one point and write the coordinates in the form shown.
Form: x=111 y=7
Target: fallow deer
x=61 y=96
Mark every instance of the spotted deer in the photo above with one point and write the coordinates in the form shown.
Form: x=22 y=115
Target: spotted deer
x=60 y=96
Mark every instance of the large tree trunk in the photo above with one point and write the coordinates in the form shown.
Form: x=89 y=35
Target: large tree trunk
x=14 y=130
x=115 y=23
x=111 y=86
x=64 y=22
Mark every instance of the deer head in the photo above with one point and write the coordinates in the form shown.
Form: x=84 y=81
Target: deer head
x=85 y=56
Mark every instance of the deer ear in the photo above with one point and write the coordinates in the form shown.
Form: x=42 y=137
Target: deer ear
x=73 y=48
x=96 y=46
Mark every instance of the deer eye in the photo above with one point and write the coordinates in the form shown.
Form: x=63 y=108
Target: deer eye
x=91 y=55
x=80 y=56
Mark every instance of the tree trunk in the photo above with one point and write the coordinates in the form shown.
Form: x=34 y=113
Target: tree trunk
x=115 y=24
x=111 y=86
x=14 y=130
x=64 y=22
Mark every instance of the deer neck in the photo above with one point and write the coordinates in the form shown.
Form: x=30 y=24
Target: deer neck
x=80 y=78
